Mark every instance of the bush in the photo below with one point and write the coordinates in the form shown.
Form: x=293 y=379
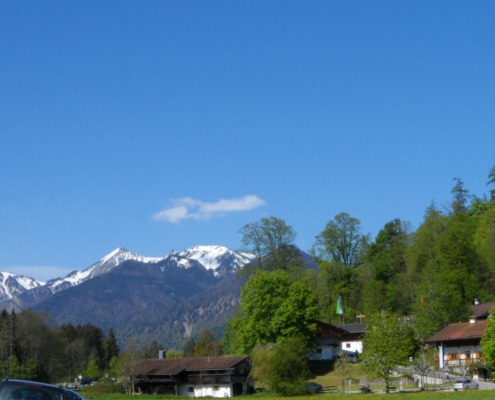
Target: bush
x=281 y=366
x=104 y=386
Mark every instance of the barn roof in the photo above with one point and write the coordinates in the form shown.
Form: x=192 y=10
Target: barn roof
x=353 y=328
x=174 y=366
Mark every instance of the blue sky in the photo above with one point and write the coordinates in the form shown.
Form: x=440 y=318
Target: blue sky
x=159 y=125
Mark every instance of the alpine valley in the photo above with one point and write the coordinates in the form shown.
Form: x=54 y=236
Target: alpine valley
x=164 y=299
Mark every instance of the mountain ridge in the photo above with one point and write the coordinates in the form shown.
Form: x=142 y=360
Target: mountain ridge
x=166 y=299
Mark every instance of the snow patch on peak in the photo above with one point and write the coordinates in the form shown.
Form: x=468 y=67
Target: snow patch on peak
x=13 y=285
x=216 y=258
x=120 y=254
x=106 y=264
x=114 y=254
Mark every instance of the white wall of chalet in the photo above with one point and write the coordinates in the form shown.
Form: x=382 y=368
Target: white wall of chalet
x=353 y=346
x=217 y=391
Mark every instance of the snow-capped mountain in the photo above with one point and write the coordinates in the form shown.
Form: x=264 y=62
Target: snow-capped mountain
x=165 y=299
x=218 y=259
x=106 y=264
x=28 y=292
x=13 y=285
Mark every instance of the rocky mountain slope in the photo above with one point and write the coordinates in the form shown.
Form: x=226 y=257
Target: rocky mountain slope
x=14 y=285
x=164 y=299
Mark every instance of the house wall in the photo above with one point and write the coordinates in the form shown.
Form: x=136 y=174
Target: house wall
x=353 y=346
x=213 y=391
x=323 y=353
x=328 y=352
x=220 y=390
x=458 y=357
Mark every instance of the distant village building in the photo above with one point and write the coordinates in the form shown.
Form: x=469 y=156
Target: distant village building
x=194 y=377
x=331 y=340
x=459 y=345
x=353 y=340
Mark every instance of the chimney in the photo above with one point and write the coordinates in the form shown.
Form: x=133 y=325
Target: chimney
x=162 y=354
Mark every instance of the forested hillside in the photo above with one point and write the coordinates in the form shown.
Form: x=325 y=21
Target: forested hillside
x=404 y=284
x=432 y=274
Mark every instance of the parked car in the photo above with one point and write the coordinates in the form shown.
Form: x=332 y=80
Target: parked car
x=365 y=389
x=71 y=395
x=465 y=384
x=15 y=389
x=313 y=387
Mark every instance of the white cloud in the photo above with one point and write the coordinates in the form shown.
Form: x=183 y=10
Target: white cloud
x=189 y=208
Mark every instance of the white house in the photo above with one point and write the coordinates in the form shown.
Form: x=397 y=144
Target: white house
x=332 y=339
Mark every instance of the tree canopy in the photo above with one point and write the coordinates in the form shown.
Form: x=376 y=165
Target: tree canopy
x=32 y=348
x=281 y=366
x=271 y=240
x=273 y=306
x=488 y=342
x=387 y=344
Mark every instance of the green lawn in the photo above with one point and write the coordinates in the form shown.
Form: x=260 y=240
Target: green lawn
x=470 y=395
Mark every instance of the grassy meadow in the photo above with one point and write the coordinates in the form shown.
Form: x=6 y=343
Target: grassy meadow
x=469 y=395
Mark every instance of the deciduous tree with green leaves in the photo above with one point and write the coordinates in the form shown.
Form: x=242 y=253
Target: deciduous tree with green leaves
x=491 y=181
x=386 y=288
x=272 y=306
x=488 y=342
x=208 y=344
x=281 y=366
x=271 y=241
x=484 y=238
x=388 y=343
x=342 y=240
x=128 y=360
x=341 y=247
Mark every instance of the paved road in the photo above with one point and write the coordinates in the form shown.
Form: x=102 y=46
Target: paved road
x=486 y=385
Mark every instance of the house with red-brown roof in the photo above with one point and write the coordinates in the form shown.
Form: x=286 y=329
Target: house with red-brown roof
x=459 y=343
x=481 y=311
x=194 y=377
